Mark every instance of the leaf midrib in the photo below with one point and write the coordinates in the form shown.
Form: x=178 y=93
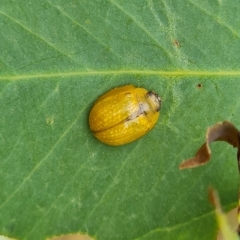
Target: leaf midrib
x=122 y=72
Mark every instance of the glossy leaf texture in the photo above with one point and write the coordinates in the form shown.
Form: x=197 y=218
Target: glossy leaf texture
x=56 y=58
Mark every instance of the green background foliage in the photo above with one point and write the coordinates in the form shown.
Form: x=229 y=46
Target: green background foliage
x=56 y=58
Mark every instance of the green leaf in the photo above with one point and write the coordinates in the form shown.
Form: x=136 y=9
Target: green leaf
x=56 y=58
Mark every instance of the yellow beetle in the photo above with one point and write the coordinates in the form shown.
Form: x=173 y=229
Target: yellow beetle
x=124 y=114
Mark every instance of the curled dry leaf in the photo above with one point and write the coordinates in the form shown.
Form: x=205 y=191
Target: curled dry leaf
x=223 y=131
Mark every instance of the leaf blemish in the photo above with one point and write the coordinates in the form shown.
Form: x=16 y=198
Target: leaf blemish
x=176 y=43
x=199 y=85
x=50 y=120
x=88 y=21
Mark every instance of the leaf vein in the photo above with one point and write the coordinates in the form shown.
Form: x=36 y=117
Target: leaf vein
x=84 y=28
x=28 y=177
x=140 y=26
x=34 y=34
x=234 y=73
x=215 y=18
x=110 y=186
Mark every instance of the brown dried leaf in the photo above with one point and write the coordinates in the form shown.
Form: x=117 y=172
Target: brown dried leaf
x=223 y=131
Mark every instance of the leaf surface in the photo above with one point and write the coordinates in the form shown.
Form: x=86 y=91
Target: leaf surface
x=56 y=58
